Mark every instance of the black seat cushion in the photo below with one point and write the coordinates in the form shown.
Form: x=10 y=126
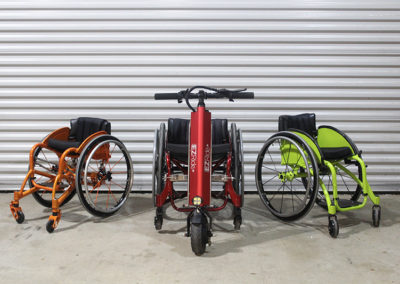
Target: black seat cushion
x=180 y=151
x=304 y=122
x=178 y=138
x=336 y=153
x=81 y=128
x=61 y=146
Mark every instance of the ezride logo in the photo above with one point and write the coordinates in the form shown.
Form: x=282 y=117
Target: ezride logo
x=193 y=157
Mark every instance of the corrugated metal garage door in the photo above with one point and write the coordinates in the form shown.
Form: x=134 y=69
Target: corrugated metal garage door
x=64 y=59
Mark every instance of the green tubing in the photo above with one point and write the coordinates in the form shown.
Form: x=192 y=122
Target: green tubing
x=366 y=187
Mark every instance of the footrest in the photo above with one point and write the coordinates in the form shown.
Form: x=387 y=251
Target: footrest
x=345 y=203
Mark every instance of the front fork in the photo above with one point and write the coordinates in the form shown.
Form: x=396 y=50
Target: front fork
x=199 y=216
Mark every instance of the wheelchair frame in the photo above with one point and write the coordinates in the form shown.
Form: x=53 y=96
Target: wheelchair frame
x=68 y=173
x=327 y=137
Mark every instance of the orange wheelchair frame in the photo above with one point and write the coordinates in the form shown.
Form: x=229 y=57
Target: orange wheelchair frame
x=68 y=172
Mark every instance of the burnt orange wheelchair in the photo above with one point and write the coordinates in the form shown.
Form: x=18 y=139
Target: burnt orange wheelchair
x=83 y=159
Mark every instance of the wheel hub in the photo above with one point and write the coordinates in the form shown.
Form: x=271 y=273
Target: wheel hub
x=286 y=176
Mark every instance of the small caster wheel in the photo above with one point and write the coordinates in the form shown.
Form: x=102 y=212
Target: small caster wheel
x=50 y=226
x=21 y=217
x=333 y=226
x=158 y=222
x=237 y=221
x=376 y=215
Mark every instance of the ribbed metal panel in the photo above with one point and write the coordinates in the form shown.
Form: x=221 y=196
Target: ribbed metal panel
x=64 y=59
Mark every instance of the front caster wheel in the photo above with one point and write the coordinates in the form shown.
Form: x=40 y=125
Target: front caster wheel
x=50 y=226
x=237 y=222
x=333 y=226
x=376 y=215
x=199 y=238
x=20 y=217
x=158 y=222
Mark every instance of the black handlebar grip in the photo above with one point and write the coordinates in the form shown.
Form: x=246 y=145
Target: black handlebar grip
x=243 y=95
x=167 y=96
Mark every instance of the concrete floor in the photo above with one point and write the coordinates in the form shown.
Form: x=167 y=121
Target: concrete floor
x=126 y=248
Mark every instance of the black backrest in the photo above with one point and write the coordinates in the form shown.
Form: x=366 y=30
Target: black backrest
x=178 y=131
x=83 y=127
x=304 y=121
x=220 y=134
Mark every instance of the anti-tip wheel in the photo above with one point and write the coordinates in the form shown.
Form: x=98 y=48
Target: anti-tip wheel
x=333 y=226
x=376 y=215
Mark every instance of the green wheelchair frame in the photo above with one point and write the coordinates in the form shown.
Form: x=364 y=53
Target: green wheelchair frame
x=301 y=158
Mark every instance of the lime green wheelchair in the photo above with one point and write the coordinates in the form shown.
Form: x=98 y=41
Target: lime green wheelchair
x=301 y=165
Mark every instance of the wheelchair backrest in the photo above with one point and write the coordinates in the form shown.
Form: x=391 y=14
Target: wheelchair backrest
x=304 y=122
x=83 y=127
x=178 y=131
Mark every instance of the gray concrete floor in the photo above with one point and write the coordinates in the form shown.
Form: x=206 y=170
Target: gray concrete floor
x=126 y=248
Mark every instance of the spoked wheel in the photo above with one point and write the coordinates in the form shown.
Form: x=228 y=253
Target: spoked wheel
x=104 y=176
x=283 y=164
x=237 y=161
x=349 y=190
x=199 y=235
x=46 y=162
x=159 y=169
x=158 y=162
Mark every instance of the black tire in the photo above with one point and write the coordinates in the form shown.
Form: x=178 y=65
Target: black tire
x=158 y=222
x=237 y=162
x=199 y=238
x=49 y=226
x=154 y=178
x=237 y=222
x=347 y=187
x=159 y=166
x=376 y=215
x=333 y=226
x=98 y=174
x=21 y=217
x=284 y=177
x=43 y=197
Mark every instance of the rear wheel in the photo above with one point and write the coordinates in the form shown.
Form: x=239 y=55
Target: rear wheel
x=159 y=166
x=104 y=176
x=47 y=161
x=287 y=176
x=237 y=162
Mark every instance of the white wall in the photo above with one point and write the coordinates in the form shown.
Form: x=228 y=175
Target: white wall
x=64 y=59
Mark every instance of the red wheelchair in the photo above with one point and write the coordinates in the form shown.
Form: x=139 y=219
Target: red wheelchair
x=198 y=152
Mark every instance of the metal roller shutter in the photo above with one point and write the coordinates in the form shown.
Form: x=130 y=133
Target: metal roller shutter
x=64 y=59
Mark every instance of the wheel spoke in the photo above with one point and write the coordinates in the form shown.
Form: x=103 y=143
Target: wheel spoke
x=272 y=160
x=270 y=169
x=117 y=163
x=269 y=180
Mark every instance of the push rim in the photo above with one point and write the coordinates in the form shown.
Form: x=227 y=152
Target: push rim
x=279 y=180
x=107 y=183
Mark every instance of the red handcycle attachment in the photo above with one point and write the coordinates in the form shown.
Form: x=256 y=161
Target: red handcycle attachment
x=199 y=151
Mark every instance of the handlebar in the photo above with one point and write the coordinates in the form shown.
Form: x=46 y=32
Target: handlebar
x=181 y=95
x=202 y=95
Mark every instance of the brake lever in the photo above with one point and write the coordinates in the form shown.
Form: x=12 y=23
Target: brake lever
x=182 y=94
